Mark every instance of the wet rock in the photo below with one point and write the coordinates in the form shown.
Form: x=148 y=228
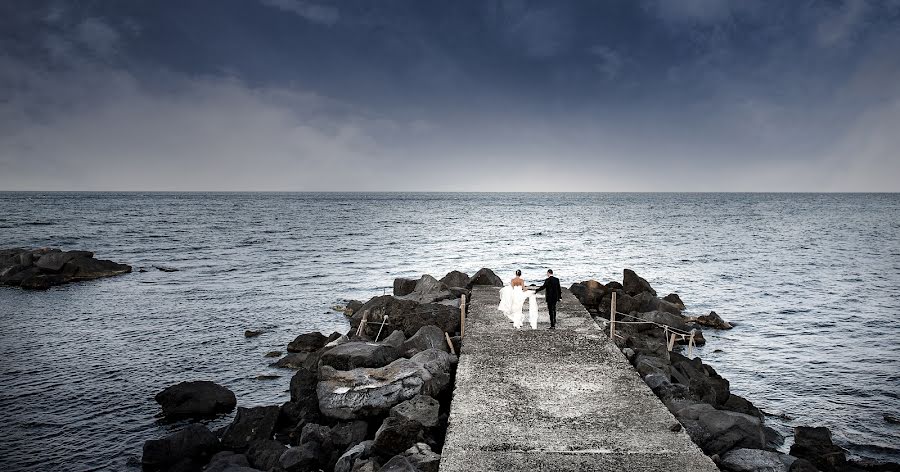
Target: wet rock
x=41 y=282
x=352 y=355
x=196 y=399
x=352 y=307
x=252 y=333
x=250 y=424
x=396 y=435
x=293 y=360
x=704 y=383
x=742 y=405
x=264 y=453
x=722 y=430
x=455 y=279
x=361 y=451
x=752 y=460
x=195 y=444
x=422 y=458
x=484 y=276
x=309 y=342
x=54 y=261
x=713 y=320
x=294 y=416
x=85 y=268
x=421 y=409
x=427 y=337
x=816 y=446
x=17 y=274
x=891 y=418
x=368 y=391
x=634 y=284
x=396 y=340
x=403 y=286
x=303 y=383
x=674 y=299
x=274 y=354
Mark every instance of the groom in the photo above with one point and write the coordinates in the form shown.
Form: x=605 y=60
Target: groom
x=554 y=294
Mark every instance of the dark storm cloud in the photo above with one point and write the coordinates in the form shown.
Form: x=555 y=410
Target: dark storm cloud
x=522 y=95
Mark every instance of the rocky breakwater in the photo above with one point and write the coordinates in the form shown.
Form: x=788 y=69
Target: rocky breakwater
x=726 y=426
x=40 y=269
x=374 y=399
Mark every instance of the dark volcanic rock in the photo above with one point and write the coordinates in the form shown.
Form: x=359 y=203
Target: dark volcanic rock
x=428 y=337
x=361 y=451
x=590 y=292
x=263 y=454
x=403 y=286
x=228 y=461
x=429 y=290
x=421 y=408
x=84 y=268
x=195 y=400
x=194 y=444
x=422 y=458
x=455 y=279
x=349 y=356
x=293 y=360
x=308 y=342
x=484 y=276
x=54 y=261
x=368 y=391
x=396 y=435
x=634 y=284
x=752 y=460
x=396 y=339
x=815 y=445
x=713 y=320
x=674 y=299
x=717 y=431
x=250 y=424
x=705 y=384
x=407 y=315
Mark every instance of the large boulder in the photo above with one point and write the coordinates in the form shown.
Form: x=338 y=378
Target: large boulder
x=590 y=292
x=293 y=360
x=752 y=460
x=717 y=431
x=250 y=424
x=674 y=299
x=421 y=409
x=302 y=458
x=308 y=342
x=228 y=461
x=396 y=435
x=704 y=382
x=17 y=274
x=713 y=320
x=624 y=303
x=815 y=445
x=437 y=374
x=407 y=315
x=455 y=279
x=195 y=444
x=263 y=454
x=422 y=458
x=54 y=261
x=198 y=399
x=484 y=276
x=361 y=451
x=428 y=337
x=402 y=287
x=396 y=339
x=634 y=284
x=349 y=356
x=651 y=303
x=429 y=290
x=368 y=391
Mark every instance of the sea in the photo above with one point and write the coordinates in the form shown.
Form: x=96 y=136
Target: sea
x=811 y=282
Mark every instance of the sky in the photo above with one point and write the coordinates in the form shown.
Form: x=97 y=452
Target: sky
x=466 y=95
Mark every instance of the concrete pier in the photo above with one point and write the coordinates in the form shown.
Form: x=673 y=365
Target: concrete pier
x=562 y=399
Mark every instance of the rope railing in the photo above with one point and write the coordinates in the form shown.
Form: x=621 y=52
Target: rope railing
x=689 y=336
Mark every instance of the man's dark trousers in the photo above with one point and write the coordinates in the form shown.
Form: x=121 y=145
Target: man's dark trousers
x=551 y=307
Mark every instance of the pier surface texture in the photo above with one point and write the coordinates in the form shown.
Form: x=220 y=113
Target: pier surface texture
x=563 y=399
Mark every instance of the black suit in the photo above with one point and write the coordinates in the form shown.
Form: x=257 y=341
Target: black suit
x=554 y=294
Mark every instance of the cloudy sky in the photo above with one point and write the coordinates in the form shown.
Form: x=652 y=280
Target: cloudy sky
x=477 y=95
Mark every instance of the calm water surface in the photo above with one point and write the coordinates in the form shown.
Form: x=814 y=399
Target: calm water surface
x=812 y=280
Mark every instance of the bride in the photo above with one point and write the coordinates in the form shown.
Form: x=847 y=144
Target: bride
x=513 y=296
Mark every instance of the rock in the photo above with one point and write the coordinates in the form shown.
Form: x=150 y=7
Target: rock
x=294 y=416
x=713 y=320
x=85 y=268
x=802 y=465
x=705 y=384
x=725 y=430
x=624 y=303
x=250 y=424
x=421 y=409
x=252 y=334
x=407 y=315
x=674 y=299
x=752 y=460
x=352 y=307
x=397 y=464
x=368 y=391
x=198 y=399
x=40 y=282
x=484 y=276
x=54 y=261
x=309 y=342
x=455 y=279
x=165 y=269
x=342 y=339
x=816 y=446
x=302 y=458
x=671 y=320
x=613 y=286
x=396 y=435
x=353 y=355
x=228 y=461
x=368 y=465
x=459 y=292
x=396 y=340
x=891 y=418
x=438 y=367
x=194 y=443
x=650 y=303
x=348 y=433
x=429 y=290
x=303 y=383
x=427 y=337
x=634 y=284
x=647 y=365
x=274 y=354
x=742 y=405
x=590 y=292
x=16 y=275
x=293 y=360
x=403 y=286
x=361 y=451
x=263 y=454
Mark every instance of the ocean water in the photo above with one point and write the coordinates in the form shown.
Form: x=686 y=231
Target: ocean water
x=811 y=280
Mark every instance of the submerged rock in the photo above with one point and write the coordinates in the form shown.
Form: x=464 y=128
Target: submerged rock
x=816 y=446
x=196 y=399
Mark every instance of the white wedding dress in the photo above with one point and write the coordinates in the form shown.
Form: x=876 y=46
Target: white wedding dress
x=511 y=301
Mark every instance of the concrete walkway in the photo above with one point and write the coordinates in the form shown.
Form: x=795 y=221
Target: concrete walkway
x=555 y=400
